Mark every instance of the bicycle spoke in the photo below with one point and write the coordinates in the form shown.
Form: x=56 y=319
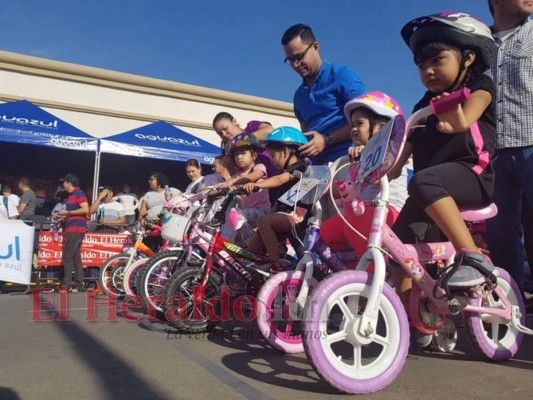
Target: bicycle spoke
x=336 y=337
x=357 y=357
x=345 y=309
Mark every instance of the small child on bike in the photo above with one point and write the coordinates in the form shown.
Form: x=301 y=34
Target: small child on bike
x=367 y=113
x=453 y=152
x=242 y=220
x=282 y=145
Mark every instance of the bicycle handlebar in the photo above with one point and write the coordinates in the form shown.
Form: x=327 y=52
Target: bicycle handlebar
x=449 y=102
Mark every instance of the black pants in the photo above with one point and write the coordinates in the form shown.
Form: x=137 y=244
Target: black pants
x=72 y=257
x=430 y=185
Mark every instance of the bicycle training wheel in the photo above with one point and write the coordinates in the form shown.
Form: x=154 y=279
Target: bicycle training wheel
x=347 y=360
x=274 y=300
x=494 y=338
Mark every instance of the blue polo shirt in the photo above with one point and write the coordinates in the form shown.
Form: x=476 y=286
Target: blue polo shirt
x=320 y=106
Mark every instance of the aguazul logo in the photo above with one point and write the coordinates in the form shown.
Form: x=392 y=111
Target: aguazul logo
x=12 y=248
x=26 y=121
x=168 y=139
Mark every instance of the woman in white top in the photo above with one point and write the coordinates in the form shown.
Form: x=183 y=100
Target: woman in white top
x=152 y=202
x=194 y=173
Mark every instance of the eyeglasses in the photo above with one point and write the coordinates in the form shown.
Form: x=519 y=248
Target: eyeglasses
x=297 y=57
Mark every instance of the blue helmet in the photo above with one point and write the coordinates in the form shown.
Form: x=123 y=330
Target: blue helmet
x=285 y=136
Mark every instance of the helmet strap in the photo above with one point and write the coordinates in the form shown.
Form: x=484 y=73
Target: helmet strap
x=291 y=154
x=462 y=67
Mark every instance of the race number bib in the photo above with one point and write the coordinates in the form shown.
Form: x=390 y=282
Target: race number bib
x=298 y=191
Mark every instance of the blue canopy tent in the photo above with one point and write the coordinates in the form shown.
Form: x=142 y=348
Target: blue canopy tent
x=25 y=123
x=22 y=122
x=160 y=140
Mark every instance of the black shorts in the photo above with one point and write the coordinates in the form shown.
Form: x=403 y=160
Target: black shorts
x=429 y=185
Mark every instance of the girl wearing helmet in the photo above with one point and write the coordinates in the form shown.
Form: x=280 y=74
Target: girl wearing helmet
x=242 y=220
x=282 y=145
x=452 y=152
x=227 y=127
x=367 y=114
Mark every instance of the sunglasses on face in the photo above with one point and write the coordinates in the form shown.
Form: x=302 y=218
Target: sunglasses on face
x=297 y=57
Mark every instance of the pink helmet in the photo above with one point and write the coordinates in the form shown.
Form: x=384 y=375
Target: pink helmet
x=378 y=102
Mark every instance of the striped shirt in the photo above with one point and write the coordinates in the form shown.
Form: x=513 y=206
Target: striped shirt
x=512 y=72
x=76 y=223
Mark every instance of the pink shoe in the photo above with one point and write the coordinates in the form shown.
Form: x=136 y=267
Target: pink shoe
x=235 y=219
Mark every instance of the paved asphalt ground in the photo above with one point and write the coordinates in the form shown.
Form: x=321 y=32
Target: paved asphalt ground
x=120 y=359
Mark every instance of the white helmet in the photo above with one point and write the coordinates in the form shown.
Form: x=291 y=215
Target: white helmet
x=458 y=29
x=378 y=102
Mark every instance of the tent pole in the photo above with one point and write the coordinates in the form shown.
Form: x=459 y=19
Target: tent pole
x=96 y=176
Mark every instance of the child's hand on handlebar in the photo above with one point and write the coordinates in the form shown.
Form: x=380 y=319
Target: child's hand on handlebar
x=223 y=186
x=453 y=120
x=355 y=152
x=250 y=187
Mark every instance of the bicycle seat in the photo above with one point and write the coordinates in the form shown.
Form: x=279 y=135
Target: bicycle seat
x=480 y=214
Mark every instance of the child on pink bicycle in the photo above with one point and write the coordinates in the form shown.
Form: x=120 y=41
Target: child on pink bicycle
x=242 y=220
x=367 y=113
x=452 y=152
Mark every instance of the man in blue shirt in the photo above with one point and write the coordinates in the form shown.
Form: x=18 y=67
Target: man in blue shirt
x=320 y=99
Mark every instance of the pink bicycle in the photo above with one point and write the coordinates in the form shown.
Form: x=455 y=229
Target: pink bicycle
x=355 y=328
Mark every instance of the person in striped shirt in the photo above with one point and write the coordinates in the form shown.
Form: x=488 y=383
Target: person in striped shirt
x=75 y=217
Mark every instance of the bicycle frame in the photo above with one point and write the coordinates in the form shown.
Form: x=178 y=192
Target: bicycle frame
x=411 y=258
x=307 y=261
x=226 y=255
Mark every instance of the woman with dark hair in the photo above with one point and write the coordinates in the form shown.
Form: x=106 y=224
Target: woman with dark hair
x=227 y=127
x=193 y=170
x=152 y=202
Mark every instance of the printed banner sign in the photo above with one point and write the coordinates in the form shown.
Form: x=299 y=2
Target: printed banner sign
x=16 y=251
x=95 y=248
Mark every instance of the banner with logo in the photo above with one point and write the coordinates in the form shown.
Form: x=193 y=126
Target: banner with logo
x=95 y=248
x=16 y=251
x=25 y=123
x=160 y=140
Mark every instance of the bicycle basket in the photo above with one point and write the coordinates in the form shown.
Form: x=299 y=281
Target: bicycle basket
x=174 y=227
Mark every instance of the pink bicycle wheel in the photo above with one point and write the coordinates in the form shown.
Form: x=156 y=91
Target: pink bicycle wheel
x=351 y=362
x=274 y=300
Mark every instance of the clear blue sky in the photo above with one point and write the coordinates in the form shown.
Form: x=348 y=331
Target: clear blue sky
x=228 y=45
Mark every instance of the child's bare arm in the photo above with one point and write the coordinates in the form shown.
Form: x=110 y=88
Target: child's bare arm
x=251 y=177
x=275 y=181
x=272 y=182
x=464 y=115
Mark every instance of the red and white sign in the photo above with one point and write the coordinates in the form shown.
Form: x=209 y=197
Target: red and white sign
x=95 y=248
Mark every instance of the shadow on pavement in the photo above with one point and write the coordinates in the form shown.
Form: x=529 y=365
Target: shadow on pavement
x=8 y=394
x=255 y=359
x=464 y=351
x=115 y=376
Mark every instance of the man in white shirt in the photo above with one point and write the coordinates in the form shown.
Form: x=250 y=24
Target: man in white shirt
x=8 y=209
x=8 y=192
